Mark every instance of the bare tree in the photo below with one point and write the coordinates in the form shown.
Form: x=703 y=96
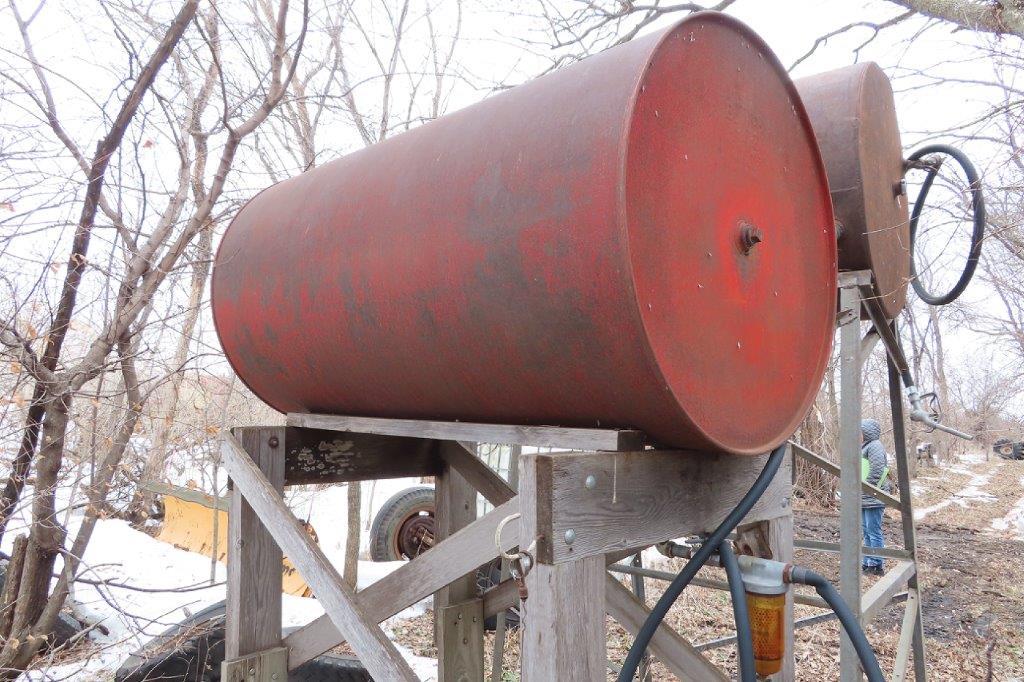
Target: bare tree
x=990 y=16
x=151 y=252
x=410 y=49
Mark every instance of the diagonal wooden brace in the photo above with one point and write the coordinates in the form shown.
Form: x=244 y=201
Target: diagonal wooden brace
x=375 y=651
x=447 y=561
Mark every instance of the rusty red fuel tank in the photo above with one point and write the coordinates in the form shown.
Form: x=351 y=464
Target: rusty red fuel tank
x=854 y=117
x=643 y=239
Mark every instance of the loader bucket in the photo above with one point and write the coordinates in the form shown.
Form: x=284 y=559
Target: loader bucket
x=196 y=522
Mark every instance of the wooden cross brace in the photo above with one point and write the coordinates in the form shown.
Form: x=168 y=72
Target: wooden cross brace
x=371 y=645
x=354 y=617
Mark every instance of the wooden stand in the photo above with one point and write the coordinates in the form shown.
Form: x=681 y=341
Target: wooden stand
x=581 y=510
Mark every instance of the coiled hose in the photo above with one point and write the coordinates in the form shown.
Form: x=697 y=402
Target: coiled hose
x=703 y=553
x=977 y=208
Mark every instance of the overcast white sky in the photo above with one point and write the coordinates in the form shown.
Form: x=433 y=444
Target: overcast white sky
x=493 y=50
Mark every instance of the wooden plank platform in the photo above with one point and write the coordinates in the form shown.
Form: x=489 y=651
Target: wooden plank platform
x=539 y=436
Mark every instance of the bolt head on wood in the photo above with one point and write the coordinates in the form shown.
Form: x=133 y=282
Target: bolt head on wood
x=570 y=536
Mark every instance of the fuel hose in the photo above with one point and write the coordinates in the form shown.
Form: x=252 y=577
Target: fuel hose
x=744 y=637
x=977 y=210
x=827 y=591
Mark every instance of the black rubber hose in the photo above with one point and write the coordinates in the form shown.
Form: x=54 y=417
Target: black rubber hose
x=977 y=208
x=744 y=638
x=710 y=546
x=827 y=591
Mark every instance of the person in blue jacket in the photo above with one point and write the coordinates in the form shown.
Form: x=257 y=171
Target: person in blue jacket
x=874 y=470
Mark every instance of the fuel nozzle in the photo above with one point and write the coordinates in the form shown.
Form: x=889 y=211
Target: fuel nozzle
x=765 y=586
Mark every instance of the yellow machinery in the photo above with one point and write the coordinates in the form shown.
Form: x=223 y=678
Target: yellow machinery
x=197 y=522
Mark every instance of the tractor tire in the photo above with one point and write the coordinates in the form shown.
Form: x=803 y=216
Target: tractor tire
x=404 y=526
x=1004 y=448
x=193 y=650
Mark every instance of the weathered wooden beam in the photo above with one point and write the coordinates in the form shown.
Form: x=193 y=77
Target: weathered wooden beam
x=780 y=545
x=253 y=621
x=328 y=456
x=449 y=560
x=269 y=665
x=374 y=650
x=667 y=645
x=460 y=643
x=565 y=612
x=502 y=596
x=189 y=495
x=540 y=436
x=882 y=592
x=593 y=503
x=459 y=631
x=482 y=477
x=564 y=638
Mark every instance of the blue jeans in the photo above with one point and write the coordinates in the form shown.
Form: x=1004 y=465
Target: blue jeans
x=871 y=517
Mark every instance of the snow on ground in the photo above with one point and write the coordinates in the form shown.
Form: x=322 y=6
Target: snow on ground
x=152 y=585
x=974 y=491
x=1014 y=519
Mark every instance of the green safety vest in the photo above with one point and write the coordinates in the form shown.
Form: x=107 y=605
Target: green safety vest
x=865 y=469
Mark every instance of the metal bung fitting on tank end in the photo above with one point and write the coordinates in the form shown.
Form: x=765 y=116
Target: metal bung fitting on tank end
x=750 y=236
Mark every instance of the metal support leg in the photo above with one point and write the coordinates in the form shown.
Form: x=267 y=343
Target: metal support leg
x=907 y=518
x=849 y=480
